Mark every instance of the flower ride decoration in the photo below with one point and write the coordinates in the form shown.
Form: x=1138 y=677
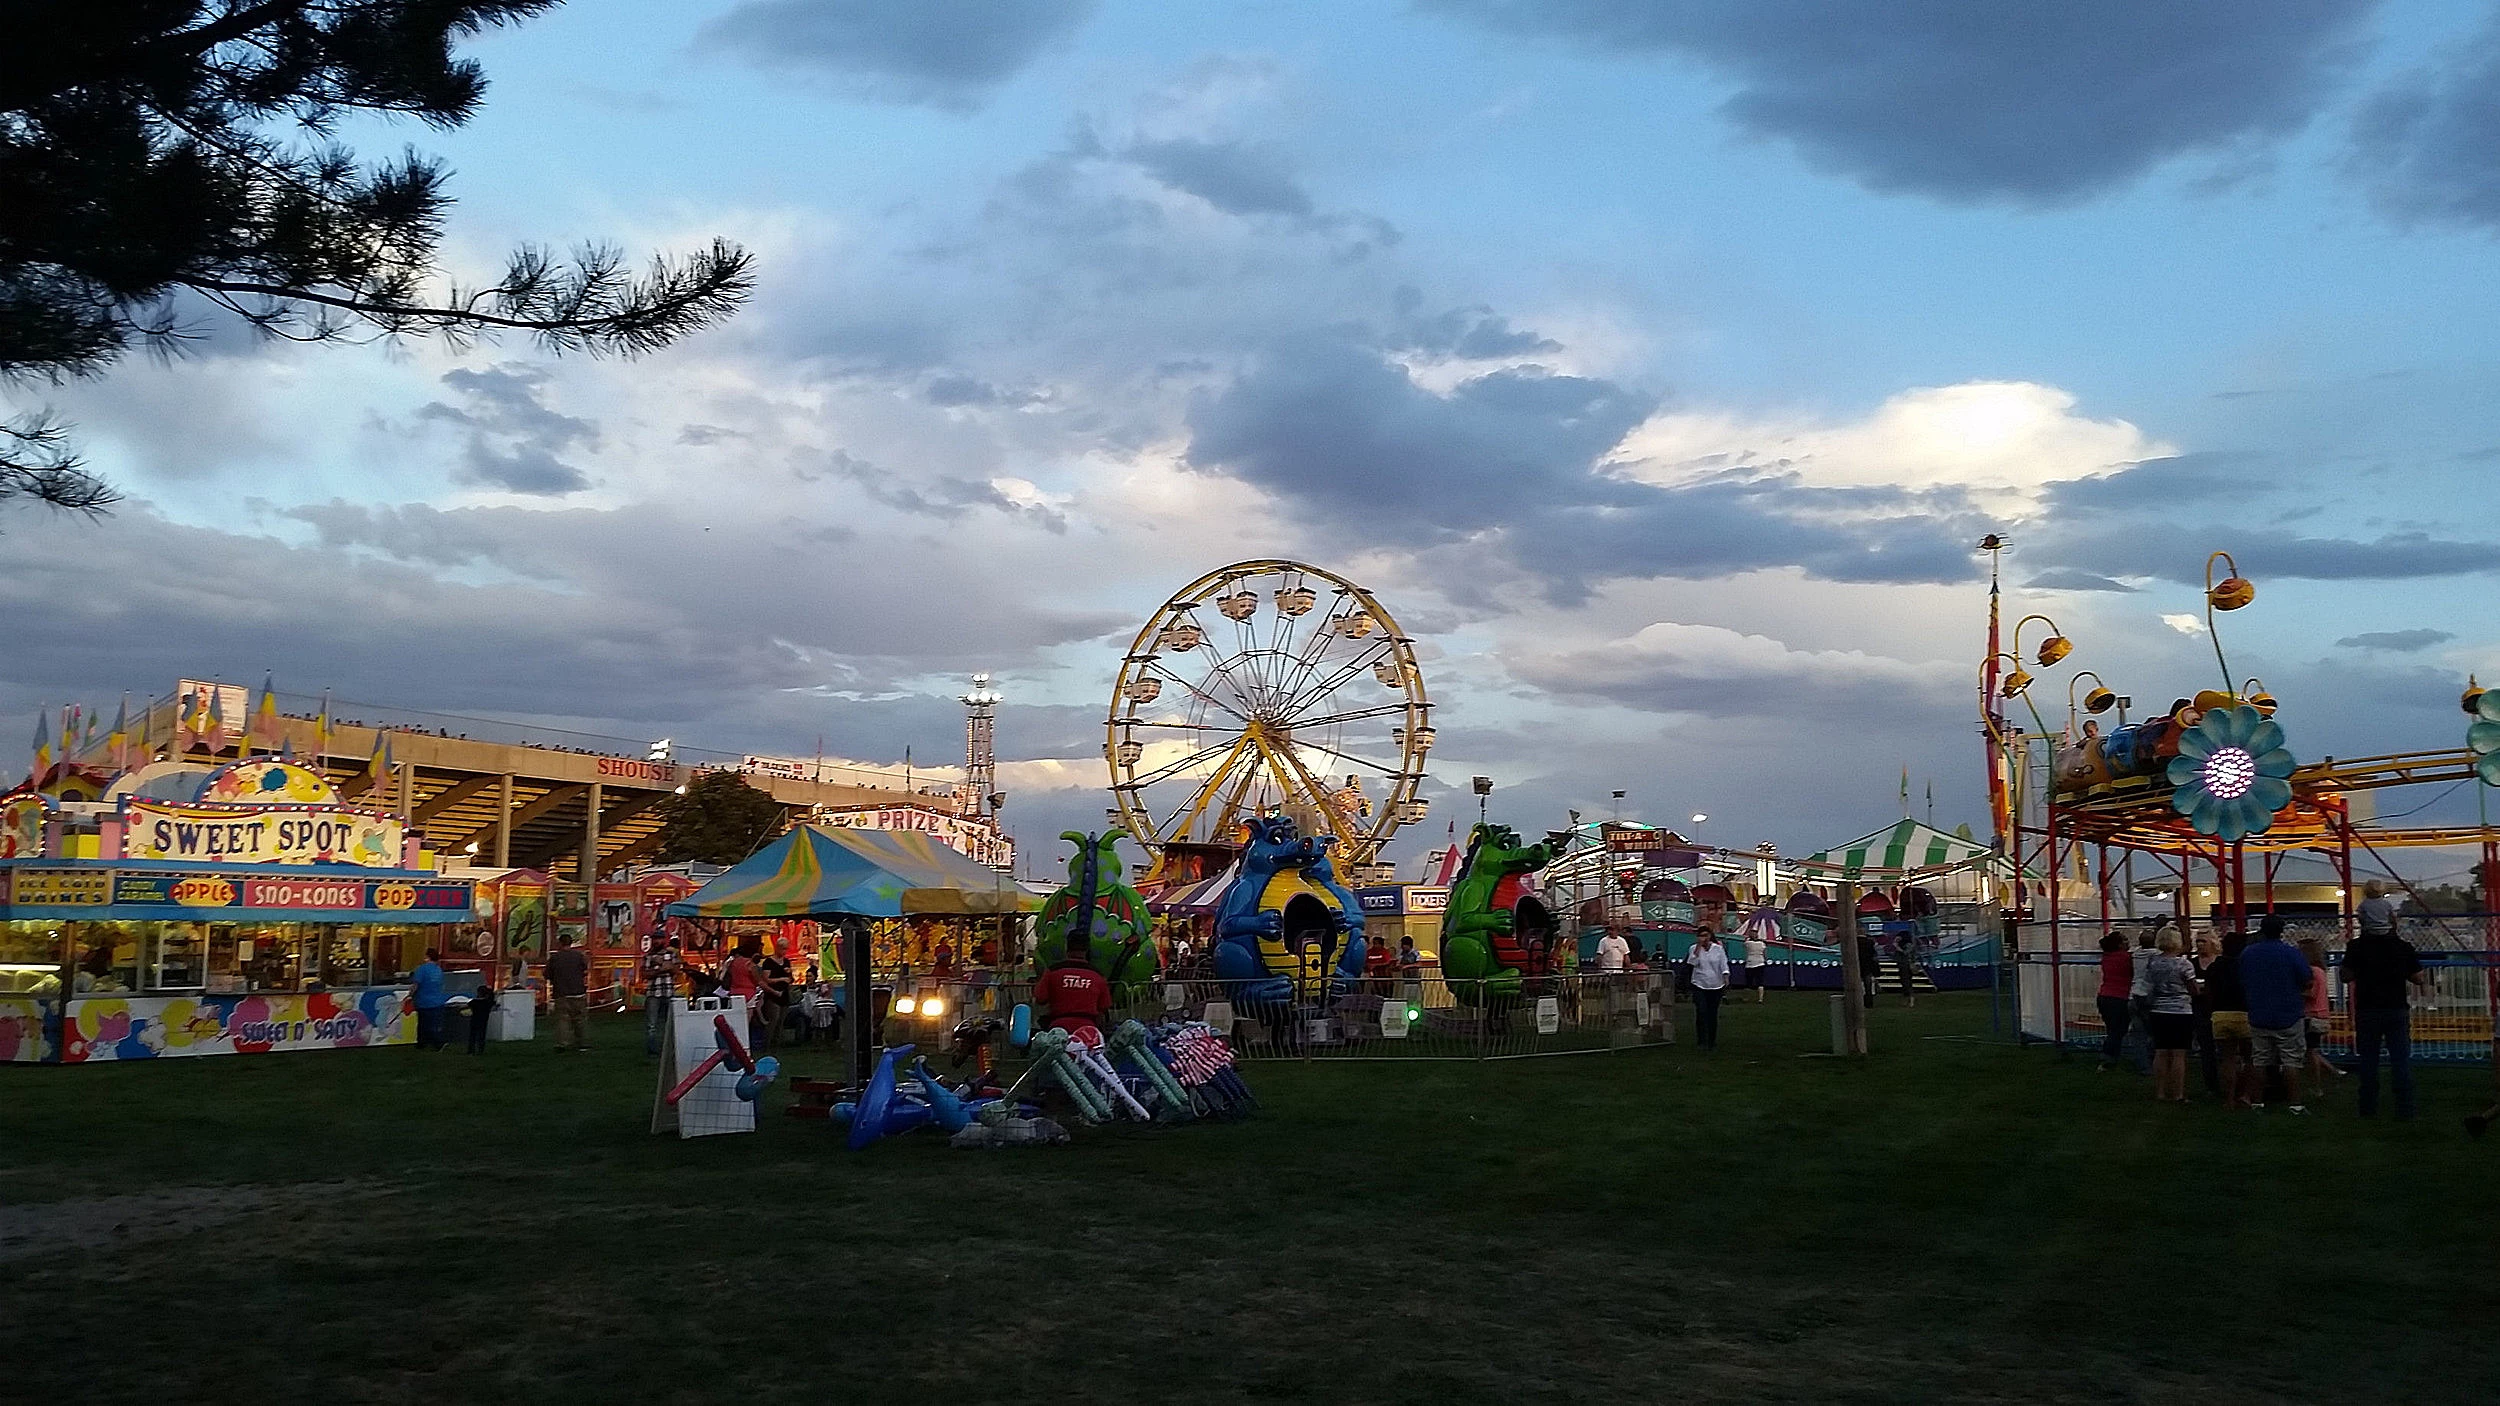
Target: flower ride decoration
x=2229 y=776
x=2482 y=738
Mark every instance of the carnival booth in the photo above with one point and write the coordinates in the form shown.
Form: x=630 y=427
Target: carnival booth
x=825 y=874
x=1924 y=893
x=231 y=910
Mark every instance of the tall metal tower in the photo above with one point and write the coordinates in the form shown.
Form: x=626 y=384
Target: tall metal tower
x=980 y=751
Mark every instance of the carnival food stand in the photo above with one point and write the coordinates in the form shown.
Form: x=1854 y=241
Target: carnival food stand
x=256 y=914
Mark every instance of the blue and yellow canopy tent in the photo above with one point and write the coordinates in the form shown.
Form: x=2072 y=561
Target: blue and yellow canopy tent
x=821 y=871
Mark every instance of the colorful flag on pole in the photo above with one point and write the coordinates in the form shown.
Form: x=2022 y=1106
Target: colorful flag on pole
x=379 y=765
x=267 y=731
x=43 y=745
x=86 y=742
x=321 y=730
x=216 y=731
x=119 y=738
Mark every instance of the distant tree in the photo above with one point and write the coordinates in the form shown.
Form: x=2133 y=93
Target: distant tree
x=151 y=149
x=719 y=820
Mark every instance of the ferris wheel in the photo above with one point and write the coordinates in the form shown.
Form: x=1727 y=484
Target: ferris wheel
x=1270 y=687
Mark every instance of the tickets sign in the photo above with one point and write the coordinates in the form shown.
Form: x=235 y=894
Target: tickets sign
x=274 y=835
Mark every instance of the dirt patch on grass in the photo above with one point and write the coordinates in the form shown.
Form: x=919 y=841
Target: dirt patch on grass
x=105 y=1223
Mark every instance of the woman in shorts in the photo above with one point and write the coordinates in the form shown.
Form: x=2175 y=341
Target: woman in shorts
x=2228 y=1000
x=2321 y=1071
x=2170 y=1000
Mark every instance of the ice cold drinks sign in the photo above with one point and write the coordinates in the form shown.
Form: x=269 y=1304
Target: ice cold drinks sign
x=279 y=835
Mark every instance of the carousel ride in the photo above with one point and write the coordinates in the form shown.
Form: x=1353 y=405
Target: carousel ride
x=2210 y=791
x=1269 y=688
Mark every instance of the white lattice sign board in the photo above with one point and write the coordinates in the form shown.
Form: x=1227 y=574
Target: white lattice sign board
x=712 y=1106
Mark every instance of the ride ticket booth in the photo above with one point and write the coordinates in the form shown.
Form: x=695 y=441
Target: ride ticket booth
x=217 y=925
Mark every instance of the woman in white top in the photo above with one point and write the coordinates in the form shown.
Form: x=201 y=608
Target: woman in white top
x=1757 y=965
x=1709 y=964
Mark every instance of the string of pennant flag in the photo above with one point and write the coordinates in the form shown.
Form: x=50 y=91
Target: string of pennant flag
x=198 y=720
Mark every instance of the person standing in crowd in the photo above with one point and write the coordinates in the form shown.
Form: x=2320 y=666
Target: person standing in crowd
x=2377 y=913
x=2114 y=999
x=481 y=1007
x=2317 y=1014
x=568 y=982
x=1073 y=996
x=1757 y=965
x=2208 y=952
x=2170 y=1009
x=1709 y=977
x=2139 y=1046
x=743 y=978
x=1613 y=953
x=659 y=990
x=1870 y=965
x=775 y=974
x=2229 y=1001
x=2383 y=971
x=2275 y=978
x=426 y=993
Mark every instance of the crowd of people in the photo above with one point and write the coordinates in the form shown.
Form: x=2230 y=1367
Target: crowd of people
x=2256 y=1010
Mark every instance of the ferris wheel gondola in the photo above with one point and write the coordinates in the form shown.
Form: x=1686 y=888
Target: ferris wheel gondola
x=1270 y=687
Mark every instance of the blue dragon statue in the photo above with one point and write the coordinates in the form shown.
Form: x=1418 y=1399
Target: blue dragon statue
x=1285 y=929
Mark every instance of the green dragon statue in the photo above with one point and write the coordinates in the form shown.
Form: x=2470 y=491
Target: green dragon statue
x=1098 y=901
x=1481 y=954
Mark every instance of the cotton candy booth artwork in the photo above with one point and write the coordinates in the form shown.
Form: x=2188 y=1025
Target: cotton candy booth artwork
x=153 y=1027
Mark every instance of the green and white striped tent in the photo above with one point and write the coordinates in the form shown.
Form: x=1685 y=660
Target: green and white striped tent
x=1896 y=850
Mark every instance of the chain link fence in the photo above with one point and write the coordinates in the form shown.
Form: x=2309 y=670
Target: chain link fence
x=1412 y=1018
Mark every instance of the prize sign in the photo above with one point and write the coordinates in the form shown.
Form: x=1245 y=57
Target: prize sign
x=276 y=835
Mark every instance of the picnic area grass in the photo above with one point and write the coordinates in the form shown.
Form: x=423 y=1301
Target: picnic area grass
x=1948 y=1220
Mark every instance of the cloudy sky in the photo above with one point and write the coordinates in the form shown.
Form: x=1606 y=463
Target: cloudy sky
x=1657 y=361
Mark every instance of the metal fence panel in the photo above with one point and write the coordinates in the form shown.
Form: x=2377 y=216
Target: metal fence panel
x=1404 y=1018
x=2453 y=1022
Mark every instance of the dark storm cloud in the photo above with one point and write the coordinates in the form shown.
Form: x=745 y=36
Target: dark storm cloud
x=1470 y=334
x=947 y=497
x=1234 y=177
x=936 y=53
x=1507 y=464
x=1326 y=423
x=2178 y=553
x=2184 y=478
x=512 y=436
x=1979 y=99
x=2428 y=146
x=2396 y=641
x=2069 y=580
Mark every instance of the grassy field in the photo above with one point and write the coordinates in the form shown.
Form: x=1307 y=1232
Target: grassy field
x=1949 y=1220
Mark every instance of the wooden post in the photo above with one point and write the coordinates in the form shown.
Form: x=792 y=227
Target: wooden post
x=1853 y=978
x=590 y=837
x=503 y=827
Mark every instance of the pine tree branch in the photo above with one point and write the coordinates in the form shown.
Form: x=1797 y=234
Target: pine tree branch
x=35 y=463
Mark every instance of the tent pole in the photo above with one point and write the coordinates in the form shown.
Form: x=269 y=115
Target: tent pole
x=857 y=997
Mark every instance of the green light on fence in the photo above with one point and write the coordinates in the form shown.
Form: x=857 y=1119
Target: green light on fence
x=1414 y=1015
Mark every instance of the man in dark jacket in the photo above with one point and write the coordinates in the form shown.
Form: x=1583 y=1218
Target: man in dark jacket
x=568 y=981
x=2382 y=971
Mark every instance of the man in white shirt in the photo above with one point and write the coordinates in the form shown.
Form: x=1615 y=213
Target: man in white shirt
x=1612 y=951
x=1709 y=967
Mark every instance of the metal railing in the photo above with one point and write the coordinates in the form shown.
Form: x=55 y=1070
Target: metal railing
x=1404 y=1018
x=2452 y=1022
